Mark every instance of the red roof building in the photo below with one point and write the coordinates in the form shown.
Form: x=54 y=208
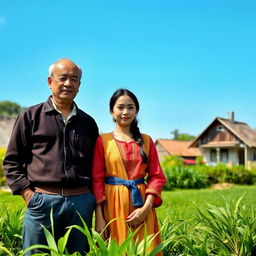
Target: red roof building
x=167 y=147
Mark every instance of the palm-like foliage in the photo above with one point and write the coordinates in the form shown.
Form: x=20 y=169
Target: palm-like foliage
x=11 y=229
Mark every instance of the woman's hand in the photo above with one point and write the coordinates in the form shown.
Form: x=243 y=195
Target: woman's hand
x=99 y=227
x=138 y=216
x=100 y=222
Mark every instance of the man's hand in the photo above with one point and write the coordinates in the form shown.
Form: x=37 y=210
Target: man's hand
x=27 y=194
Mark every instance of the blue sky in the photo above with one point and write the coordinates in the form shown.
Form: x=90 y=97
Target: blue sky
x=187 y=61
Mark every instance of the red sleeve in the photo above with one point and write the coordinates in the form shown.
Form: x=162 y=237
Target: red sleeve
x=156 y=178
x=98 y=171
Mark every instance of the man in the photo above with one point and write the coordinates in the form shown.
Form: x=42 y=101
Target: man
x=48 y=161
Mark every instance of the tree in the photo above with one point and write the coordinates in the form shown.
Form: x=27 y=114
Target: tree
x=175 y=134
x=8 y=108
x=182 y=136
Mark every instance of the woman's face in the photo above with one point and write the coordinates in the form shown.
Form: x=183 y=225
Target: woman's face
x=124 y=111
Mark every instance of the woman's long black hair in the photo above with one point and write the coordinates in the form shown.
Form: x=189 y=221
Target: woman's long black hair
x=134 y=125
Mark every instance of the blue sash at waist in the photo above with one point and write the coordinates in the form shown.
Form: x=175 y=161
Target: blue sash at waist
x=131 y=184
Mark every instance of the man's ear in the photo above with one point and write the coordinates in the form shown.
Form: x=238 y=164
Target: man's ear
x=49 y=80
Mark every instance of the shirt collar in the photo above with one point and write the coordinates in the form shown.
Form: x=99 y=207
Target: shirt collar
x=72 y=113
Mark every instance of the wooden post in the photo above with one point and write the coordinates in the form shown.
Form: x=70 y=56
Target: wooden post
x=245 y=156
x=218 y=155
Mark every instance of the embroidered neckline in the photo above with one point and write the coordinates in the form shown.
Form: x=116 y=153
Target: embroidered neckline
x=118 y=136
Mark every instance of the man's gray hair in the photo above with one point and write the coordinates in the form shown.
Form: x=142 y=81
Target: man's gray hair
x=51 y=67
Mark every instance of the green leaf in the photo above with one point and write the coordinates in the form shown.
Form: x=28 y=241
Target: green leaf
x=63 y=241
x=51 y=241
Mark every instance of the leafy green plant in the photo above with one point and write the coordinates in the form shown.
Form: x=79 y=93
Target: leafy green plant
x=233 y=231
x=11 y=229
x=220 y=231
x=130 y=247
x=54 y=248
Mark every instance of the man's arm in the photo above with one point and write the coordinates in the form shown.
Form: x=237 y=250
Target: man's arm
x=16 y=156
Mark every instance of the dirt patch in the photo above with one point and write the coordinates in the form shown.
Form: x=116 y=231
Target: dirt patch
x=222 y=186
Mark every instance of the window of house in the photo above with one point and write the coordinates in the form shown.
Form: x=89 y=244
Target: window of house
x=219 y=128
x=254 y=156
x=224 y=155
x=213 y=155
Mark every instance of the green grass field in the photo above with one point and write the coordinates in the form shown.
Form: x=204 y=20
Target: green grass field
x=197 y=234
x=180 y=204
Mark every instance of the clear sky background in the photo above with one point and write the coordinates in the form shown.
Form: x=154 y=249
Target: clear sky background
x=187 y=61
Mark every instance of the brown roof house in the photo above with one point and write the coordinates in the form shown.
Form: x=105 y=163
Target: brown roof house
x=227 y=141
x=6 y=124
x=167 y=147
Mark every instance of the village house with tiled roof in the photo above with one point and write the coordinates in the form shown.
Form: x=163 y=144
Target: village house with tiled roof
x=168 y=147
x=227 y=141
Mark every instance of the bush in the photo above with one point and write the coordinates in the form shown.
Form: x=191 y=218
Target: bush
x=222 y=173
x=2 y=177
x=216 y=174
x=185 y=177
x=200 y=160
x=170 y=161
x=240 y=175
x=200 y=176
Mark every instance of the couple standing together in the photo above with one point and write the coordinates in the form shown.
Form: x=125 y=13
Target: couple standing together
x=57 y=160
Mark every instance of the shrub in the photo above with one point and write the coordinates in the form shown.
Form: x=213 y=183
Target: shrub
x=170 y=161
x=200 y=160
x=185 y=177
x=222 y=173
x=240 y=175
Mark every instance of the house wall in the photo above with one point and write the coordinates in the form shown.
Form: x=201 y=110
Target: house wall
x=251 y=154
x=232 y=157
x=162 y=153
x=213 y=134
x=6 y=125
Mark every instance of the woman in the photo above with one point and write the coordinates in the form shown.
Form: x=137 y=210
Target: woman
x=122 y=160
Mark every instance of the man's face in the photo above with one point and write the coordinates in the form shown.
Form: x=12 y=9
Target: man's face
x=65 y=81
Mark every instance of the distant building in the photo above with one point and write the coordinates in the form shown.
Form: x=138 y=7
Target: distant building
x=227 y=141
x=167 y=147
x=6 y=125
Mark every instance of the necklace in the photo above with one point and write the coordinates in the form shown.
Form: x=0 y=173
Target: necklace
x=121 y=137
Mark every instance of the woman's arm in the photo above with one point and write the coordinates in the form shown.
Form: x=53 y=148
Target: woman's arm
x=100 y=222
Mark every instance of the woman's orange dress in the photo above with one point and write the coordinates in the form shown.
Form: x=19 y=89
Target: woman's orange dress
x=117 y=158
